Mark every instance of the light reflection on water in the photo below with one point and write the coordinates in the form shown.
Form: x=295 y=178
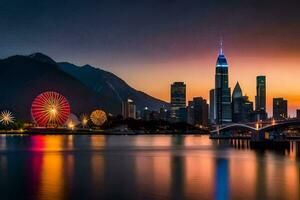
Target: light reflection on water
x=144 y=167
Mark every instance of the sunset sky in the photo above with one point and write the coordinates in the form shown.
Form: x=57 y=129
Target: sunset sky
x=150 y=44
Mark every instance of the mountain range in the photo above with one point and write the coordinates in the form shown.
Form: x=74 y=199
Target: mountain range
x=86 y=87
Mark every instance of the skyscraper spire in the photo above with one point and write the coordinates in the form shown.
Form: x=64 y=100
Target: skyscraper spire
x=221 y=46
x=221 y=61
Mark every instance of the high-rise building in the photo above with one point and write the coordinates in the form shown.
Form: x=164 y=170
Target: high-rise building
x=146 y=114
x=178 y=101
x=242 y=108
x=260 y=98
x=200 y=111
x=280 y=108
x=247 y=109
x=237 y=104
x=237 y=91
x=182 y=115
x=190 y=113
x=298 y=113
x=260 y=112
x=129 y=109
x=212 y=113
x=222 y=92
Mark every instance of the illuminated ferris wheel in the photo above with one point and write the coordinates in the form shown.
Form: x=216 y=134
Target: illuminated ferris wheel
x=50 y=109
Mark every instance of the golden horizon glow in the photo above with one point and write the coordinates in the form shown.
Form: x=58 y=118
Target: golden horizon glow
x=281 y=71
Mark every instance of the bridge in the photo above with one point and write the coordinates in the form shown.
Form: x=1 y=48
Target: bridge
x=262 y=135
x=257 y=127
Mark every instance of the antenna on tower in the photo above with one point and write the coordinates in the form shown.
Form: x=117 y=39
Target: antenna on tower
x=221 y=46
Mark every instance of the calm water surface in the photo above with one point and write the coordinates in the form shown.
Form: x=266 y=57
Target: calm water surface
x=143 y=167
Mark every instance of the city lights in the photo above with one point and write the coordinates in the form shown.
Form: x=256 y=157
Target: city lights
x=71 y=125
x=84 y=120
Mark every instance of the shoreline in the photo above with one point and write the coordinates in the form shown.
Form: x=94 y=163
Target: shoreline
x=96 y=132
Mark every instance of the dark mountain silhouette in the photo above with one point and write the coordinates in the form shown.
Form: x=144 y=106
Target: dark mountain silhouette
x=109 y=85
x=24 y=77
x=42 y=58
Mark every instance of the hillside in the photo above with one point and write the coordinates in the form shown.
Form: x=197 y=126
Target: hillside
x=86 y=88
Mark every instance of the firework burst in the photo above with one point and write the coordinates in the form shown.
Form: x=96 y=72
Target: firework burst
x=6 y=117
x=98 y=117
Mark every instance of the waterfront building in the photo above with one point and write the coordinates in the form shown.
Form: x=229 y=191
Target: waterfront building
x=260 y=98
x=190 y=113
x=164 y=114
x=200 y=111
x=178 y=101
x=222 y=94
x=242 y=108
x=247 y=109
x=260 y=113
x=237 y=103
x=182 y=115
x=128 y=109
x=146 y=114
x=280 y=108
x=154 y=115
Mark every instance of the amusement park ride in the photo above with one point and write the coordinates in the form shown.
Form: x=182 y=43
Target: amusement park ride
x=51 y=111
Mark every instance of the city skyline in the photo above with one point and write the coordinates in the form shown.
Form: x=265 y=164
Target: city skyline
x=179 y=43
x=294 y=104
x=150 y=99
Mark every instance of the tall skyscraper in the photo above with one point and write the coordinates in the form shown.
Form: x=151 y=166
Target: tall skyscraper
x=222 y=95
x=178 y=101
x=129 y=109
x=280 y=108
x=260 y=98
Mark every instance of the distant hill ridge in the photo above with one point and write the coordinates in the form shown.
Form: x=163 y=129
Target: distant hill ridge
x=85 y=87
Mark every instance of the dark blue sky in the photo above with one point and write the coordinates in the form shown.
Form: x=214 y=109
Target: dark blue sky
x=153 y=43
x=134 y=31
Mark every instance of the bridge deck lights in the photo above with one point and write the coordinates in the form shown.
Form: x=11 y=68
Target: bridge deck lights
x=273 y=122
x=256 y=126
